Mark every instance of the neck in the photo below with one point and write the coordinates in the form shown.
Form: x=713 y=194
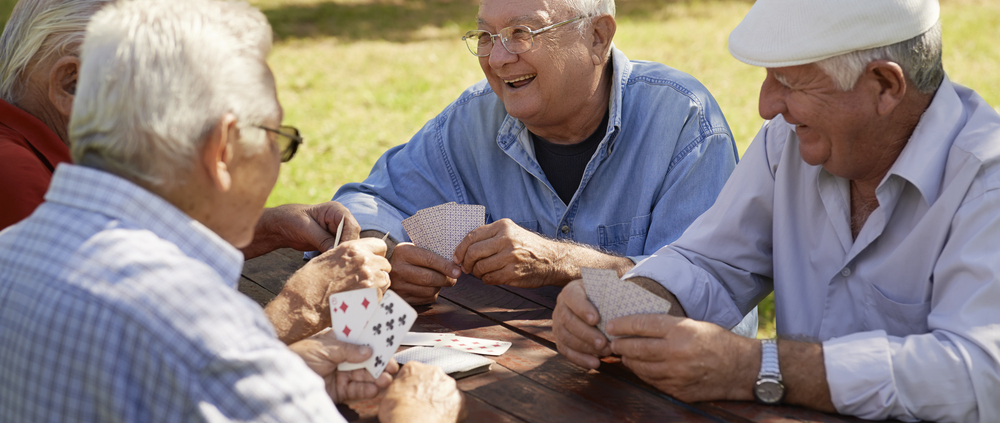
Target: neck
x=35 y=102
x=584 y=122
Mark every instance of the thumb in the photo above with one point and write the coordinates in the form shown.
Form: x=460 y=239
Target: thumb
x=350 y=353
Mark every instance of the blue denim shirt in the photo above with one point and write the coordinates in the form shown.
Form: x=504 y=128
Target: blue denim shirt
x=666 y=153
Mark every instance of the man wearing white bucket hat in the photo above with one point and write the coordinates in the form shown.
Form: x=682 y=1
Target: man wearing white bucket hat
x=869 y=203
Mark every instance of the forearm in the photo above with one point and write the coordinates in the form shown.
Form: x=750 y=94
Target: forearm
x=265 y=238
x=804 y=375
x=570 y=257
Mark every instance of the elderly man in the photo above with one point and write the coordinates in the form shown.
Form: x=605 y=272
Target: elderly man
x=117 y=293
x=869 y=203
x=38 y=78
x=39 y=68
x=581 y=157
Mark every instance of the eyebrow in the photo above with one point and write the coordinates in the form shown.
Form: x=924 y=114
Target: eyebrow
x=520 y=20
x=781 y=79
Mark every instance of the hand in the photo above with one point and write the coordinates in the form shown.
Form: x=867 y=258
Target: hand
x=323 y=352
x=422 y=393
x=302 y=307
x=302 y=227
x=573 y=323
x=687 y=359
x=419 y=274
x=503 y=253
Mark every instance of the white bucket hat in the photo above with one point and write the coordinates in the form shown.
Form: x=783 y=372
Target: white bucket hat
x=777 y=33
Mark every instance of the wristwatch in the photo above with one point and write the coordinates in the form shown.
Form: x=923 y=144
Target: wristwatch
x=769 y=389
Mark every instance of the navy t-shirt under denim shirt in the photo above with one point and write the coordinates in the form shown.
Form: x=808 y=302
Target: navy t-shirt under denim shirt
x=563 y=164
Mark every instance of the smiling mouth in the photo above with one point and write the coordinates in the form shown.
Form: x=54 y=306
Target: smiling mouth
x=520 y=81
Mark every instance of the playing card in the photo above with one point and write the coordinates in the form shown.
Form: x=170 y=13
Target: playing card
x=340 y=230
x=350 y=312
x=617 y=298
x=441 y=228
x=426 y=339
x=471 y=345
x=385 y=331
x=595 y=281
x=453 y=362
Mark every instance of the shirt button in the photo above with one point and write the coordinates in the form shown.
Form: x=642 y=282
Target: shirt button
x=846 y=272
x=564 y=229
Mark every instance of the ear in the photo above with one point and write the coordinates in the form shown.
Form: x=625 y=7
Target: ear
x=891 y=83
x=218 y=151
x=62 y=83
x=603 y=29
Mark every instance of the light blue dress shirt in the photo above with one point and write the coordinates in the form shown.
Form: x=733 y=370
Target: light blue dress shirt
x=117 y=307
x=909 y=312
x=665 y=155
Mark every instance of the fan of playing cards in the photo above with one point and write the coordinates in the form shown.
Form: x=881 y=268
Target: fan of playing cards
x=441 y=228
x=360 y=318
x=616 y=298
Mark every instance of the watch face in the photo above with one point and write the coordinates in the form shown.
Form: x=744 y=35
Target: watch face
x=769 y=391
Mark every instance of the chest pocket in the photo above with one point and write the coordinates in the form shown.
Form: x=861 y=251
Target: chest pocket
x=897 y=319
x=628 y=238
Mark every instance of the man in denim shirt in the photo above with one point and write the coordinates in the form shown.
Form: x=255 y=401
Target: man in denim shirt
x=581 y=157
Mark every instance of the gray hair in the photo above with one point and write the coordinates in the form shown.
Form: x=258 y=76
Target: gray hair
x=156 y=78
x=38 y=30
x=920 y=58
x=589 y=8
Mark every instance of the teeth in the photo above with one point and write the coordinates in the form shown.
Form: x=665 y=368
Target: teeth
x=511 y=81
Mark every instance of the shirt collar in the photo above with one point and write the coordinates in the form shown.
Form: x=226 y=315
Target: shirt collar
x=105 y=193
x=923 y=159
x=35 y=133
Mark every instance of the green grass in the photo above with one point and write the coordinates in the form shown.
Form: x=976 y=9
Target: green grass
x=360 y=76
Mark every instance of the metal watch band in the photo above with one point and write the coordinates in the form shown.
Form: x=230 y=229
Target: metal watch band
x=769 y=359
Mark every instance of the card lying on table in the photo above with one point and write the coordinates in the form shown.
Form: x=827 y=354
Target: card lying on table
x=455 y=363
x=386 y=323
x=441 y=228
x=616 y=298
x=461 y=343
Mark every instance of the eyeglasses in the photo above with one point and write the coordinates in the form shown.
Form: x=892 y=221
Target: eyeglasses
x=288 y=140
x=516 y=39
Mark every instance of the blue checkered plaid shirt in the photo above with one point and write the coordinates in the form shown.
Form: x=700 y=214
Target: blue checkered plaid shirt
x=117 y=307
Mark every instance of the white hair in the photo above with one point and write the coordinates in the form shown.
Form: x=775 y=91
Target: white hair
x=589 y=8
x=39 y=30
x=157 y=76
x=919 y=57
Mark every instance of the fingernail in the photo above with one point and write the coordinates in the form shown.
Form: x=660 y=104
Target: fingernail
x=597 y=342
x=609 y=327
x=365 y=349
x=591 y=317
x=455 y=273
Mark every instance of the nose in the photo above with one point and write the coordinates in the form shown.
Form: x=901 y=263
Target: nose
x=499 y=56
x=771 y=102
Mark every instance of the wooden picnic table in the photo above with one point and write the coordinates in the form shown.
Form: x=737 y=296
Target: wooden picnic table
x=532 y=382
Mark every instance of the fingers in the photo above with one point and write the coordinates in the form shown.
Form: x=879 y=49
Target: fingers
x=415 y=274
x=573 y=323
x=329 y=214
x=644 y=325
x=420 y=257
x=474 y=236
x=373 y=245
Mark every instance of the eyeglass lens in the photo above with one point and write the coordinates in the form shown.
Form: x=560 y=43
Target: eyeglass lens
x=288 y=142
x=516 y=39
